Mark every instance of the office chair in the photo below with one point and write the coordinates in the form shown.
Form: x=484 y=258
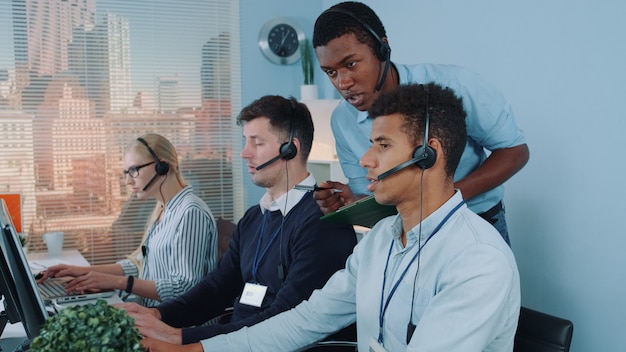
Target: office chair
x=225 y=230
x=541 y=332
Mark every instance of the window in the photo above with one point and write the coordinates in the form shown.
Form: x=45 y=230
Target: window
x=79 y=79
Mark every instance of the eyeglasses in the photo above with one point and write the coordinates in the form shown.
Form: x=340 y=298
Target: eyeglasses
x=134 y=170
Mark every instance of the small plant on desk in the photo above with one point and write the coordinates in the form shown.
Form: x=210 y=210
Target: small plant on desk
x=23 y=239
x=90 y=327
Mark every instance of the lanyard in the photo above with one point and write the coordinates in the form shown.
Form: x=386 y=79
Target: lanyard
x=383 y=308
x=257 y=258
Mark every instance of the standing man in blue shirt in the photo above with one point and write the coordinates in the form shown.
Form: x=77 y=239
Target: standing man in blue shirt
x=434 y=277
x=352 y=48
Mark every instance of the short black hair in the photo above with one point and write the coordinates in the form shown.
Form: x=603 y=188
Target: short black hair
x=286 y=116
x=332 y=24
x=447 y=116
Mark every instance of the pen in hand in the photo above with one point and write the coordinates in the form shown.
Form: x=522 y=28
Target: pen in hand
x=315 y=188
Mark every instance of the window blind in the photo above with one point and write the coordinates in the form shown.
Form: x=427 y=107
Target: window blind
x=80 y=79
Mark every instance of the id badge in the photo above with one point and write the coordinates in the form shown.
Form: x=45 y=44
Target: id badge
x=375 y=346
x=253 y=294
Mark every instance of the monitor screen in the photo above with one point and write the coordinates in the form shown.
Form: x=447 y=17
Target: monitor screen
x=7 y=291
x=29 y=305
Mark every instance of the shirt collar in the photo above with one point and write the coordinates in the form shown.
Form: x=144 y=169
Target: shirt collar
x=362 y=116
x=288 y=200
x=403 y=74
x=171 y=203
x=428 y=225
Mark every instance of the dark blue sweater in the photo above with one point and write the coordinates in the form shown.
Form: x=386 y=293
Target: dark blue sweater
x=312 y=250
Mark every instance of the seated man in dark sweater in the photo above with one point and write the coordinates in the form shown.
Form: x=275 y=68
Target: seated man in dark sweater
x=280 y=251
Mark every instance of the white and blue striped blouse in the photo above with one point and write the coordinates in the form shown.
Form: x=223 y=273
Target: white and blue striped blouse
x=179 y=250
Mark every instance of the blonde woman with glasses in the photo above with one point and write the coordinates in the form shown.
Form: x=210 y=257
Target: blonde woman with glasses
x=180 y=244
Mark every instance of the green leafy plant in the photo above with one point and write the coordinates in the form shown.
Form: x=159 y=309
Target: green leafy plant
x=307 y=61
x=97 y=327
x=23 y=240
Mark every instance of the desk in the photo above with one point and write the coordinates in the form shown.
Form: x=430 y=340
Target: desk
x=40 y=261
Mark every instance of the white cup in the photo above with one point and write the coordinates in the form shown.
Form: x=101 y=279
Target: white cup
x=54 y=242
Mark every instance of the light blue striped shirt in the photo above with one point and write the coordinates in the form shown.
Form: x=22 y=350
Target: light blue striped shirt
x=180 y=249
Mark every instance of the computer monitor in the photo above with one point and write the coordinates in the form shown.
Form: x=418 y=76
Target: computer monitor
x=21 y=294
x=11 y=312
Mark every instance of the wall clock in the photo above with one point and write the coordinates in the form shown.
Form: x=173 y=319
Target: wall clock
x=279 y=40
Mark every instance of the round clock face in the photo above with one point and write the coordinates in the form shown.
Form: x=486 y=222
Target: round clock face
x=283 y=40
x=280 y=39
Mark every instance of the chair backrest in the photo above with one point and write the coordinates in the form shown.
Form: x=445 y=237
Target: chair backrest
x=541 y=332
x=225 y=230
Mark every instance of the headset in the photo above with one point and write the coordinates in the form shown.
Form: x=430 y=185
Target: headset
x=287 y=150
x=424 y=156
x=161 y=167
x=383 y=52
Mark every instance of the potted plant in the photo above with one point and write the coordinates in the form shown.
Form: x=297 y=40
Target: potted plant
x=308 y=91
x=89 y=327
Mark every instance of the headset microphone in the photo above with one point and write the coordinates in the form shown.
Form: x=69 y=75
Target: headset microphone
x=380 y=84
x=287 y=150
x=271 y=161
x=404 y=165
x=424 y=156
x=150 y=182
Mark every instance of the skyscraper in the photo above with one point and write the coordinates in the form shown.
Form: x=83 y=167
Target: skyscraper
x=101 y=58
x=215 y=71
x=43 y=31
x=214 y=121
x=168 y=94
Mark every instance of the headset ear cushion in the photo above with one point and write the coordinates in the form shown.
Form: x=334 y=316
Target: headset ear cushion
x=288 y=150
x=162 y=168
x=384 y=51
x=426 y=156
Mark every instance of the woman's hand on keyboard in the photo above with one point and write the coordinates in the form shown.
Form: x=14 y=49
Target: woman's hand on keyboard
x=62 y=270
x=96 y=281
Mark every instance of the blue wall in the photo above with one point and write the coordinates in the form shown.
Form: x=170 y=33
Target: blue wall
x=260 y=76
x=561 y=63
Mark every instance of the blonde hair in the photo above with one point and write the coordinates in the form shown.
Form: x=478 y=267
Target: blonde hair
x=166 y=152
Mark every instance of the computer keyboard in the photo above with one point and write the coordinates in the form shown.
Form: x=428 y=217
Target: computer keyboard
x=52 y=288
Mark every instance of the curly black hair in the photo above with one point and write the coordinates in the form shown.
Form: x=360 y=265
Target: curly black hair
x=333 y=23
x=286 y=116
x=447 y=116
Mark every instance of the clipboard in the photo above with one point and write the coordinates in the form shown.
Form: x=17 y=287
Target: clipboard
x=364 y=212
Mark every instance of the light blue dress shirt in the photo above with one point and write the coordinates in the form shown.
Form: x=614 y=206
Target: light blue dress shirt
x=465 y=296
x=490 y=125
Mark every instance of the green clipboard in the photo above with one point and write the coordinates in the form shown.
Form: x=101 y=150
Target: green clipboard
x=364 y=212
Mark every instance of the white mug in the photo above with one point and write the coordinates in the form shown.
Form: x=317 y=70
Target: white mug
x=54 y=242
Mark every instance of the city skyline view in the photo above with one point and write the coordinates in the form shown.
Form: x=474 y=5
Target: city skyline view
x=149 y=39
x=80 y=79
